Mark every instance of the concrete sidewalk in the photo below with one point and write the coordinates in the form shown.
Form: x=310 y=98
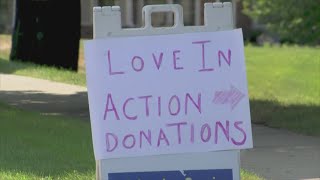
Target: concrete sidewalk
x=277 y=154
x=48 y=97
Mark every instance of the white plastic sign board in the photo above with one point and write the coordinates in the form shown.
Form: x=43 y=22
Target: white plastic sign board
x=168 y=94
x=197 y=163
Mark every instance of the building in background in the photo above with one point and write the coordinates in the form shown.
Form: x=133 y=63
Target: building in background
x=132 y=15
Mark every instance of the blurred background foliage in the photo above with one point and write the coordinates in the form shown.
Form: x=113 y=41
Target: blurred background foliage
x=292 y=21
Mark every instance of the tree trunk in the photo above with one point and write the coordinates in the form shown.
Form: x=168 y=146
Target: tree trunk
x=47 y=32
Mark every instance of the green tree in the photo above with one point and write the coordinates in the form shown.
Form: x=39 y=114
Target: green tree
x=296 y=21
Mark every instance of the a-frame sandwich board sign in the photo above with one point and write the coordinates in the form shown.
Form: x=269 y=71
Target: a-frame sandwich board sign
x=195 y=163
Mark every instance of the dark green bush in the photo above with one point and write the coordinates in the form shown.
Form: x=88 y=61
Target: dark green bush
x=294 y=21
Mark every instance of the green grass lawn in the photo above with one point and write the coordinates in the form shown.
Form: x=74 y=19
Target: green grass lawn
x=284 y=87
x=35 y=146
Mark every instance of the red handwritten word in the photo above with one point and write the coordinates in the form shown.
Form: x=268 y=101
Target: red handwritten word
x=174 y=105
x=138 y=65
x=232 y=97
x=208 y=133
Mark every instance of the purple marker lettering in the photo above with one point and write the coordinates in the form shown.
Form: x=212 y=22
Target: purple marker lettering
x=159 y=106
x=147 y=137
x=228 y=61
x=170 y=105
x=224 y=130
x=203 y=128
x=115 y=140
x=110 y=68
x=113 y=108
x=124 y=110
x=197 y=105
x=162 y=136
x=175 y=58
x=178 y=125
x=125 y=140
x=146 y=103
x=236 y=125
x=192 y=133
x=203 y=55
x=137 y=69
x=159 y=61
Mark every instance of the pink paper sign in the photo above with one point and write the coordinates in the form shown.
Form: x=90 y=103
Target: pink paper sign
x=168 y=94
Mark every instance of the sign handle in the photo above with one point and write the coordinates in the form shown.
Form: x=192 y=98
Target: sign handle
x=175 y=8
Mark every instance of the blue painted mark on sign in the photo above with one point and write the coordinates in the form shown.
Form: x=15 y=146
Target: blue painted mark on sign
x=211 y=174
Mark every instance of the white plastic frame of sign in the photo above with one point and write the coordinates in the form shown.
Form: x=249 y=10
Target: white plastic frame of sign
x=107 y=24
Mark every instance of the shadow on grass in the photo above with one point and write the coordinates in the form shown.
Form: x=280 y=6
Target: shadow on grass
x=74 y=105
x=302 y=119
